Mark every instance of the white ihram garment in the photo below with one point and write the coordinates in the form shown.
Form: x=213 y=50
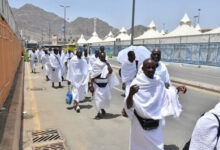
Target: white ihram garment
x=62 y=61
x=77 y=74
x=204 y=136
x=128 y=73
x=102 y=95
x=46 y=64
x=152 y=101
x=162 y=72
x=56 y=76
x=32 y=57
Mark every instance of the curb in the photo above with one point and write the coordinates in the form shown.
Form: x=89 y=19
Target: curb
x=199 y=85
x=13 y=124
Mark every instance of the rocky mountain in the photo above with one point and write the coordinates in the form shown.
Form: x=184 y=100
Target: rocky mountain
x=138 y=30
x=36 y=23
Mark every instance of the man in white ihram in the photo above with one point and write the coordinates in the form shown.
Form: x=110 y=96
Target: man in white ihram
x=46 y=64
x=161 y=69
x=103 y=79
x=77 y=74
x=128 y=73
x=147 y=103
x=56 y=73
x=33 y=60
x=205 y=134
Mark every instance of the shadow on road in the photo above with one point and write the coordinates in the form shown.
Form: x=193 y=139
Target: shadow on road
x=111 y=116
x=85 y=106
x=171 y=147
x=87 y=99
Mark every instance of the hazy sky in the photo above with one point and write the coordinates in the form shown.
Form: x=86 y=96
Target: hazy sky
x=118 y=12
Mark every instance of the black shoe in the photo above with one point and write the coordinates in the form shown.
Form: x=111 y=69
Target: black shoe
x=98 y=116
x=103 y=112
x=123 y=112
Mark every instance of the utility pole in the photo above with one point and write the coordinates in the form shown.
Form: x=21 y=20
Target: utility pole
x=199 y=14
x=64 y=30
x=132 y=23
x=49 y=33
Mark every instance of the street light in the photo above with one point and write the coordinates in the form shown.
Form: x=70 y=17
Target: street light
x=132 y=23
x=64 y=30
x=199 y=14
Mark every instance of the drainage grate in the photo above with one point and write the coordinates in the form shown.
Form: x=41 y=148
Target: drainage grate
x=53 y=146
x=46 y=136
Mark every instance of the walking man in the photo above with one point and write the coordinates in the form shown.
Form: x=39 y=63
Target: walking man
x=103 y=79
x=147 y=103
x=77 y=75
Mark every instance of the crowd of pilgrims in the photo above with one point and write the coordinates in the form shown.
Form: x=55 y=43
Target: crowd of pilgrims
x=149 y=93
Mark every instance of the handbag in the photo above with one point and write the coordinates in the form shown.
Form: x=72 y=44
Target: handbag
x=69 y=96
x=147 y=124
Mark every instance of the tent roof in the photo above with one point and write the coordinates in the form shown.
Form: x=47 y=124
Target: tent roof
x=151 y=32
x=185 y=20
x=198 y=28
x=184 y=28
x=123 y=35
x=214 y=31
x=95 y=38
x=82 y=40
x=109 y=37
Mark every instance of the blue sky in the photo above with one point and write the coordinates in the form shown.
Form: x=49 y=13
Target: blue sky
x=118 y=12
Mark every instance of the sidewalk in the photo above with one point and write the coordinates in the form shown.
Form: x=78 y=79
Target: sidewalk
x=45 y=110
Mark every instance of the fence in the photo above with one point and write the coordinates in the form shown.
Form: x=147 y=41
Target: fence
x=202 y=49
x=10 y=50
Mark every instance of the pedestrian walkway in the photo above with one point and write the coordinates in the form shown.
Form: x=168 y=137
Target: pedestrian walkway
x=45 y=108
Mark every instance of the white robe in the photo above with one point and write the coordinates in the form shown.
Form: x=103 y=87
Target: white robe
x=204 y=136
x=152 y=101
x=56 y=76
x=62 y=61
x=162 y=72
x=46 y=64
x=128 y=73
x=102 y=95
x=77 y=74
x=33 y=59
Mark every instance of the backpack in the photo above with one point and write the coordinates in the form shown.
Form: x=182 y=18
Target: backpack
x=186 y=147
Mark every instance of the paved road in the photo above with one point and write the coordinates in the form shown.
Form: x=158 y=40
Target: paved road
x=209 y=76
x=82 y=132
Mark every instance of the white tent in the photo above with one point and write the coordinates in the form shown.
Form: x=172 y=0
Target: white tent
x=94 y=39
x=214 y=31
x=151 y=32
x=198 y=28
x=123 y=35
x=184 y=28
x=109 y=37
x=163 y=32
x=82 y=40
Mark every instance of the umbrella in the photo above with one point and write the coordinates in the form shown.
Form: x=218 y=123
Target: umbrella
x=141 y=54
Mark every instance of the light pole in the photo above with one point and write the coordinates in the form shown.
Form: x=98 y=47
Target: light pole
x=199 y=15
x=132 y=23
x=64 y=30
